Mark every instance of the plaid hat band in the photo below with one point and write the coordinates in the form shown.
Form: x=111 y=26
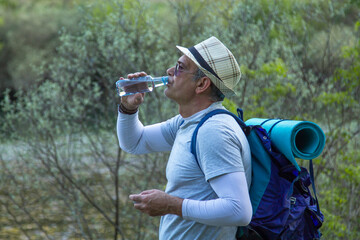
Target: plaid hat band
x=217 y=63
x=202 y=61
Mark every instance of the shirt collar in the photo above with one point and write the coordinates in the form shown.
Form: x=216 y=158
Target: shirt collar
x=195 y=118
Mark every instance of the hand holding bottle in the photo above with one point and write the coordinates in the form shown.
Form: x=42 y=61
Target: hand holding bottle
x=139 y=83
x=132 y=102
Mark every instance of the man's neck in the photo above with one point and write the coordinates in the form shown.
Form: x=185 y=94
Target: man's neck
x=193 y=107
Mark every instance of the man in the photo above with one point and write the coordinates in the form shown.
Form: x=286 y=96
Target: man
x=206 y=200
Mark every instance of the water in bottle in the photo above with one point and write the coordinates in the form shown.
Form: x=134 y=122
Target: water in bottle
x=127 y=87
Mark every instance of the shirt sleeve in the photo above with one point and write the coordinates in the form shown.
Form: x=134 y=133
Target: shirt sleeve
x=232 y=208
x=219 y=146
x=136 y=138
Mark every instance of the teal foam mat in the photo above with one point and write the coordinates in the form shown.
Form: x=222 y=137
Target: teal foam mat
x=295 y=139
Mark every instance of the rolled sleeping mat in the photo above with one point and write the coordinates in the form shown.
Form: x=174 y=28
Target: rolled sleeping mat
x=294 y=139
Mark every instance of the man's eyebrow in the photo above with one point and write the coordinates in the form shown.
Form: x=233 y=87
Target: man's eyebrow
x=181 y=63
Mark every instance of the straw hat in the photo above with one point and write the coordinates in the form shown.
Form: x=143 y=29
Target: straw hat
x=217 y=62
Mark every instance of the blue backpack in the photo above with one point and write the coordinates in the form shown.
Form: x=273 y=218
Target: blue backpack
x=283 y=207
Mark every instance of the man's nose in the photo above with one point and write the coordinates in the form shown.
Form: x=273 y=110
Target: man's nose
x=170 y=71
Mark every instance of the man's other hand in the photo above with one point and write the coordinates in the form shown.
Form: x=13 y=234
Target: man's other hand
x=157 y=203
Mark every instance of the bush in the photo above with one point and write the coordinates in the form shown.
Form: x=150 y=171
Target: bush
x=299 y=60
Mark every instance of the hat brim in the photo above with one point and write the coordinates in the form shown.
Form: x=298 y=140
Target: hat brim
x=218 y=83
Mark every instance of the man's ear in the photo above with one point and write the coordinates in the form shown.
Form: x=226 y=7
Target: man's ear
x=202 y=85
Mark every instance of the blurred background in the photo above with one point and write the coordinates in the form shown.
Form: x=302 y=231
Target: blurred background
x=62 y=174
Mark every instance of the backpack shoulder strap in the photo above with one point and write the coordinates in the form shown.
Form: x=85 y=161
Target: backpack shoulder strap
x=206 y=117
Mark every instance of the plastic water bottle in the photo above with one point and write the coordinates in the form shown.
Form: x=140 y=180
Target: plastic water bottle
x=147 y=83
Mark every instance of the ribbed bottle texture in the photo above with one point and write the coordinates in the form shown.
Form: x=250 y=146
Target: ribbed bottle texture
x=144 y=84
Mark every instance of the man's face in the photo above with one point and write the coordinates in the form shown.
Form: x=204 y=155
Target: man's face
x=181 y=86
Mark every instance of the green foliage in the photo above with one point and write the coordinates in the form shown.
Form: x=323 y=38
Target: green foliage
x=230 y=105
x=278 y=68
x=299 y=60
x=1 y=24
x=280 y=91
x=338 y=98
x=30 y=36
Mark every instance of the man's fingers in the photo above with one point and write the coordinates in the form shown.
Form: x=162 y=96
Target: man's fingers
x=146 y=192
x=136 y=75
x=138 y=206
x=143 y=73
x=135 y=197
x=133 y=101
x=139 y=98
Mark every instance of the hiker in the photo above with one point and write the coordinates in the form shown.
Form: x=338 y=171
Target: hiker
x=207 y=199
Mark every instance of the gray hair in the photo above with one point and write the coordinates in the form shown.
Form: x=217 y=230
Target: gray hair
x=216 y=94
